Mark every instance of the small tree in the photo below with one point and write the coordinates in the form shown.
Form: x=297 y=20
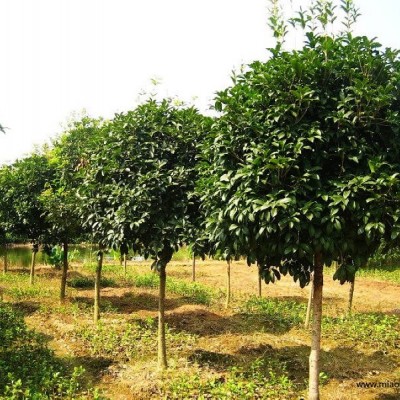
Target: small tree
x=71 y=157
x=6 y=213
x=138 y=185
x=304 y=163
x=68 y=158
x=24 y=183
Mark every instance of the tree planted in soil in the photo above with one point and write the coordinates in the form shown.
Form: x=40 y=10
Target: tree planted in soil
x=139 y=186
x=22 y=184
x=304 y=162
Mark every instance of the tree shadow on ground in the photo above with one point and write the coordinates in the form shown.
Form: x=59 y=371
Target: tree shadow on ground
x=95 y=367
x=218 y=361
x=340 y=363
x=19 y=270
x=131 y=302
x=26 y=307
x=48 y=273
x=297 y=299
x=29 y=364
x=389 y=396
x=81 y=281
x=202 y=322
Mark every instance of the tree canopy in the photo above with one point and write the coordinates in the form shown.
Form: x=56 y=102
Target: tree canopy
x=21 y=186
x=138 y=185
x=305 y=156
x=303 y=165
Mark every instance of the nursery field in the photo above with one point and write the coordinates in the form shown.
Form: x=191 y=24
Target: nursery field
x=257 y=348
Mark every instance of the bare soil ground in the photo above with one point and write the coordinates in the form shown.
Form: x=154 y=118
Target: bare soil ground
x=219 y=331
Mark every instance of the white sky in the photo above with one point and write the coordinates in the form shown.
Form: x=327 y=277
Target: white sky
x=62 y=56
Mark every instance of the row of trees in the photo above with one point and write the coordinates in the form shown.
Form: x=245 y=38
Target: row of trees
x=301 y=168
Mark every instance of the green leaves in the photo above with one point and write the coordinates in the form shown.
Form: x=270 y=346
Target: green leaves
x=305 y=156
x=346 y=271
x=138 y=187
x=21 y=211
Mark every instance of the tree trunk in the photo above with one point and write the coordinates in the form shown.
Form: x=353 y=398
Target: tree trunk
x=313 y=393
x=228 y=284
x=194 y=269
x=125 y=262
x=5 y=267
x=33 y=262
x=162 y=347
x=309 y=304
x=259 y=281
x=97 y=280
x=64 y=272
x=351 y=294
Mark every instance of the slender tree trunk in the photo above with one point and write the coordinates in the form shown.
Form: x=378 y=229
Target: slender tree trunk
x=309 y=304
x=162 y=347
x=313 y=393
x=5 y=268
x=125 y=262
x=64 y=272
x=351 y=295
x=194 y=269
x=97 y=280
x=259 y=281
x=228 y=284
x=33 y=262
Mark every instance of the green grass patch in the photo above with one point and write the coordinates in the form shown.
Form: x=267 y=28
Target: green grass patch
x=29 y=292
x=262 y=379
x=150 y=280
x=378 y=330
x=128 y=341
x=276 y=315
x=18 y=287
x=195 y=292
x=29 y=369
x=390 y=274
x=13 y=278
x=87 y=282
x=182 y=254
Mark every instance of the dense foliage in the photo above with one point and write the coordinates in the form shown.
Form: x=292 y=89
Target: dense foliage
x=138 y=184
x=29 y=369
x=305 y=157
x=21 y=186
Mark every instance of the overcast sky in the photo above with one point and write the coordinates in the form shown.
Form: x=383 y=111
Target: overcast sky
x=61 y=56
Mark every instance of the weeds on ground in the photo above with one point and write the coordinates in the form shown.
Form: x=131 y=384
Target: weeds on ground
x=14 y=278
x=275 y=314
x=19 y=288
x=262 y=379
x=86 y=282
x=195 y=292
x=388 y=273
x=74 y=309
x=28 y=369
x=374 y=271
x=130 y=340
x=378 y=330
